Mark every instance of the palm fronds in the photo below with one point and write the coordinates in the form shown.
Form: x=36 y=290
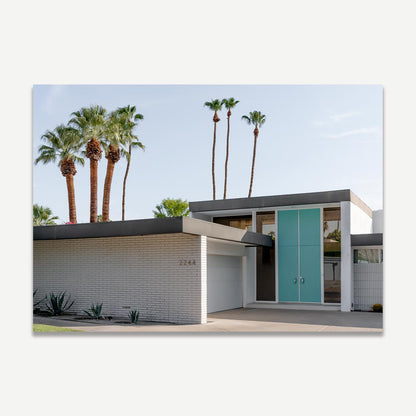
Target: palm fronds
x=255 y=118
x=229 y=103
x=43 y=216
x=214 y=105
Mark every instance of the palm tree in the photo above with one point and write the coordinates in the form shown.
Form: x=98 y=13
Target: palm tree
x=172 y=208
x=257 y=119
x=214 y=105
x=91 y=123
x=228 y=104
x=42 y=216
x=115 y=136
x=133 y=141
x=63 y=144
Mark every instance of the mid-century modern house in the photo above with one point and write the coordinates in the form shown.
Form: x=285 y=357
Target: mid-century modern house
x=320 y=250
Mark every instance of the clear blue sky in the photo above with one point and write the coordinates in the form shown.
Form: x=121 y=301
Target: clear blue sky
x=316 y=138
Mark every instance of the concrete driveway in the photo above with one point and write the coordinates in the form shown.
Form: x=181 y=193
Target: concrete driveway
x=247 y=320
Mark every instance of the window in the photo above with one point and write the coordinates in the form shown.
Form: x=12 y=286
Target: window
x=266 y=268
x=368 y=255
x=243 y=222
x=332 y=255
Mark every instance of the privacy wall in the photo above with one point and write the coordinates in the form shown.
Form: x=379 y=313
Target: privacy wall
x=368 y=286
x=163 y=276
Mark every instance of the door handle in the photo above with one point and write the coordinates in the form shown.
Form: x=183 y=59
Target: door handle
x=302 y=280
x=295 y=280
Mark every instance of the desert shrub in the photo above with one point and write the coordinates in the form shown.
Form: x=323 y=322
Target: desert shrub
x=58 y=304
x=134 y=316
x=377 y=307
x=94 y=311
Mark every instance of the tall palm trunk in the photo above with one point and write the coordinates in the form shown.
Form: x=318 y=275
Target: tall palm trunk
x=93 y=152
x=226 y=153
x=93 y=190
x=113 y=157
x=71 y=198
x=68 y=171
x=256 y=133
x=123 y=204
x=216 y=119
x=107 y=190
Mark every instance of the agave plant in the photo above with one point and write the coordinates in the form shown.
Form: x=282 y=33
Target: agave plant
x=39 y=301
x=57 y=304
x=134 y=316
x=94 y=311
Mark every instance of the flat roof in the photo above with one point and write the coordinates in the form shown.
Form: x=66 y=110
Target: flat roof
x=309 y=198
x=375 y=239
x=149 y=227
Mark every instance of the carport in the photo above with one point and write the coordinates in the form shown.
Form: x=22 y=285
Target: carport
x=230 y=253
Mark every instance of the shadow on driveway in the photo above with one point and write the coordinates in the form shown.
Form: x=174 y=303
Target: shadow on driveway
x=290 y=316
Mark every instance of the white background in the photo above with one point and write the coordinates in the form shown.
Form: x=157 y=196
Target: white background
x=280 y=42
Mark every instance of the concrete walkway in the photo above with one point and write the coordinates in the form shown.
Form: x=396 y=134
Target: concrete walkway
x=241 y=320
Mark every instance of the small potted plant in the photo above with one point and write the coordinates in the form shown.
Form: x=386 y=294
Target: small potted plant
x=377 y=307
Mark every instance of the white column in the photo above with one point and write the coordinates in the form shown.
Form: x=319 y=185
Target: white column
x=252 y=259
x=244 y=278
x=346 y=267
x=204 y=277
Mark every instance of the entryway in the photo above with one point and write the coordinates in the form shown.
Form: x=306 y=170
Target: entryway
x=299 y=255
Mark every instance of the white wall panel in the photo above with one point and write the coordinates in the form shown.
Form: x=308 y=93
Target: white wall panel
x=361 y=223
x=378 y=221
x=225 y=283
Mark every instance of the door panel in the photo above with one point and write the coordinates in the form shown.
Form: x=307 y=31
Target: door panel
x=288 y=274
x=310 y=272
x=288 y=263
x=310 y=254
x=288 y=228
x=310 y=227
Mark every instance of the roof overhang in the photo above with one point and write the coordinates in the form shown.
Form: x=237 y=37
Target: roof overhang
x=375 y=239
x=150 y=227
x=310 y=198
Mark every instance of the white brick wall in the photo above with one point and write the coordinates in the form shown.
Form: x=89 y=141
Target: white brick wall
x=147 y=273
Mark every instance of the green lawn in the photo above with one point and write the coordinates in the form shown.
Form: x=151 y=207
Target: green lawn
x=50 y=328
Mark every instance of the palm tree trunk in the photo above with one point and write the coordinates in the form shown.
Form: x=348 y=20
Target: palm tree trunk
x=93 y=190
x=71 y=198
x=213 y=160
x=226 y=157
x=256 y=133
x=123 y=204
x=107 y=190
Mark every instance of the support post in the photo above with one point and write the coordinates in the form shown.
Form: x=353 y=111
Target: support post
x=346 y=266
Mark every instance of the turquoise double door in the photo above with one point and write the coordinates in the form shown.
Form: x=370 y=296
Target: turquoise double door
x=299 y=255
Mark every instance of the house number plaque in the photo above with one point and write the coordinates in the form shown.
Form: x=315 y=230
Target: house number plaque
x=187 y=262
